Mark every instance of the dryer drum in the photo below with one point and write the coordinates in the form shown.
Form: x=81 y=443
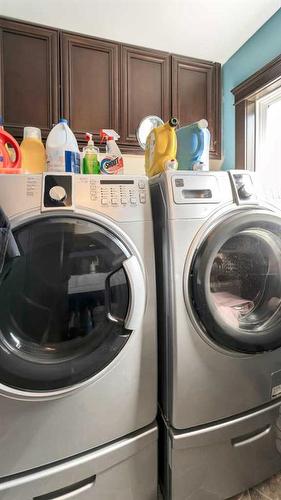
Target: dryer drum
x=235 y=283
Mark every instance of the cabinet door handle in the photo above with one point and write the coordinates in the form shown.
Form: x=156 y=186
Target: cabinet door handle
x=69 y=491
x=250 y=438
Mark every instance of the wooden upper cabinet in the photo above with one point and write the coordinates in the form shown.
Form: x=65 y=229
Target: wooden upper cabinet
x=90 y=83
x=29 y=76
x=196 y=94
x=145 y=89
x=46 y=73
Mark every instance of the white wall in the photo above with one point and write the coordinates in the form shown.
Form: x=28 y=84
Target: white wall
x=207 y=29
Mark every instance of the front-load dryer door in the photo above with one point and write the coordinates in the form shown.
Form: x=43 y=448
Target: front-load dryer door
x=71 y=293
x=234 y=282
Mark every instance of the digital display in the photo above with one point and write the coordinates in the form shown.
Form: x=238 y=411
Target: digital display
x=196 y=193
x=115 y=181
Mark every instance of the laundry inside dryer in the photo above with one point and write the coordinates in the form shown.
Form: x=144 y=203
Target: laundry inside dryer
x=244 y=280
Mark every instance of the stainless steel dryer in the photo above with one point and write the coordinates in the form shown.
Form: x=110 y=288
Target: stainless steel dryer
x=218 y=260
x=77 y=328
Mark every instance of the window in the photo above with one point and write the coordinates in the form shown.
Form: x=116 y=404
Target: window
x=258 y=122
x=268 y=140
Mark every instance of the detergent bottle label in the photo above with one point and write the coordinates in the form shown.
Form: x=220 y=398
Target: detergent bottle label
x=111 y=165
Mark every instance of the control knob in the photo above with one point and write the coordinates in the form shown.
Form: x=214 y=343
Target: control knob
x=245 y=192
x=57 y=193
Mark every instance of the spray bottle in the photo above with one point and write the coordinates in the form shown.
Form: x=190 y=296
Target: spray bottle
x=113 y=161
x=90 y=163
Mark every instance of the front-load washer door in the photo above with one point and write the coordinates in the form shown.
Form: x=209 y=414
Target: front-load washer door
x=67 y=303
x=235 y=282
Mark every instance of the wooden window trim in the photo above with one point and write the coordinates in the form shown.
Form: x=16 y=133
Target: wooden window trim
x=245 y=94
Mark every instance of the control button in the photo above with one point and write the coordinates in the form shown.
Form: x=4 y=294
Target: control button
x=57 y=193
x=104 y=201
x=123 y=201
x=114 y=201
x=133 y=200
x=141 y=184
x=179 y=182
x=142 y=197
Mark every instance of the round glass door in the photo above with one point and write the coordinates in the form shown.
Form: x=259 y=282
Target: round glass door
x=64 y=297
x=235 y=283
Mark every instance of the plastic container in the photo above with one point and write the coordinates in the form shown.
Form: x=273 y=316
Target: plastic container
x=62 y=149
x=112 y=163
x=194 y=146
x=90 y=164
x=161 y=147
x=10 y=153
x=32 y=151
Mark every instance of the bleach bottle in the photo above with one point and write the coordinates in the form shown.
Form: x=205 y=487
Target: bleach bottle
x=193 y=146
x=62 y=149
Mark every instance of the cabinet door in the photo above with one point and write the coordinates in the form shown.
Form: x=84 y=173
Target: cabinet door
x=196 y=95
x=90 y=81
x=145 y=89
x=29 y=76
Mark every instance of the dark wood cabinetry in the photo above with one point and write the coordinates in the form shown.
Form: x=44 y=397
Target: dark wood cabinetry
x=90 y=84
x=29 y=76
x=145 y=87
x=196 y=94
x=47 y=73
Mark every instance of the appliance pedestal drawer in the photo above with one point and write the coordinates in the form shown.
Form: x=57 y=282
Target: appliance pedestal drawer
x=218 y=461
x=123 y=470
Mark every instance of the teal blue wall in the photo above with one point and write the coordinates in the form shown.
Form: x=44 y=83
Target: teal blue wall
x=261 y=48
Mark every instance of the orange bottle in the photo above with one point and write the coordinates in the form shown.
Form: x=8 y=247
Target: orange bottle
x=9 y=165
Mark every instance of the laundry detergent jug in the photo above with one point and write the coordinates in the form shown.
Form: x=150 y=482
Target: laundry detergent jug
x=193 y=146
x=62 y=149
x=33 y=151
x=161 y=147
x=10 y=154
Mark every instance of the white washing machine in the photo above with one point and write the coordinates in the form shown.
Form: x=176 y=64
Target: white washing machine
x=77 y=338
x=218 y=257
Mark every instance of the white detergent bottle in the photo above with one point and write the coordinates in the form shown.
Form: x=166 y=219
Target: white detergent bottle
x=62 y=149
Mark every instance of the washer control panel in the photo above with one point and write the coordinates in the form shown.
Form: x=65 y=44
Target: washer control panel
x=121 y=197
x=117 y=193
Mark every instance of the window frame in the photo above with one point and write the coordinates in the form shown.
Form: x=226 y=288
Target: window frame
x=262 y=105
x=246 y=95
